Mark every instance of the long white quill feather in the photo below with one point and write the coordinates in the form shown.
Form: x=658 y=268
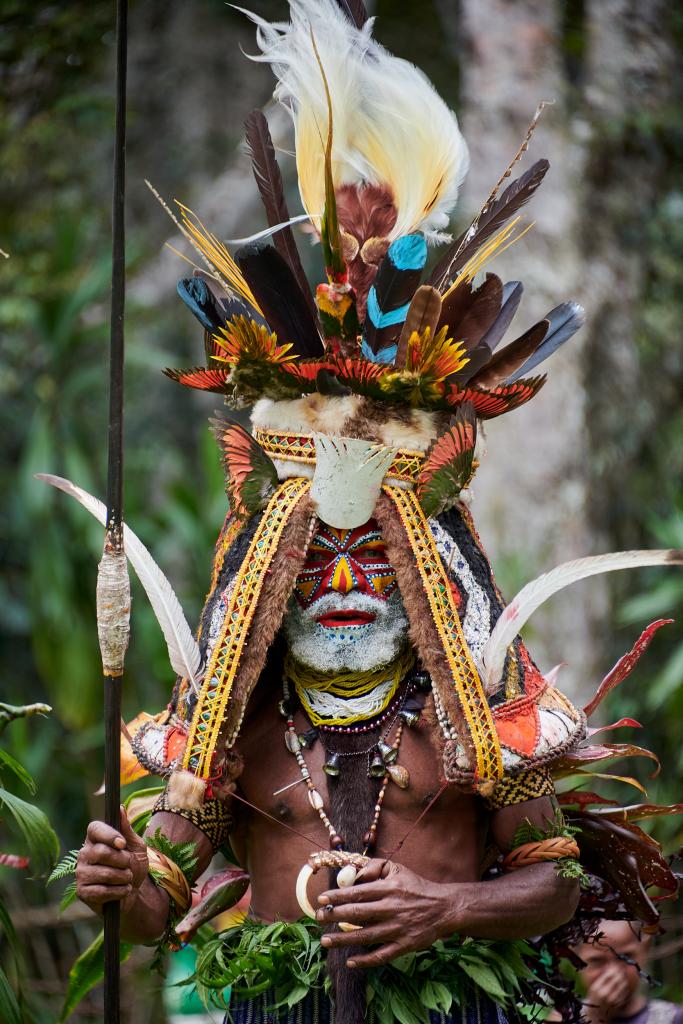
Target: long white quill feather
x=539 y=590
x=183 y=651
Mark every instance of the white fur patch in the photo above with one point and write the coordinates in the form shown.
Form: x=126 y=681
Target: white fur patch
x=306 y=415
x=330 y=415
x=417 y=435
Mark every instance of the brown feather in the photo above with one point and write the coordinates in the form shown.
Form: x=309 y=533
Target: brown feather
x=423 y=312
x=365 y=212
x=478 y=358
x=487 y=223
x=269 y=180
x=500 y=325
x=510 y=358
x=475 y=312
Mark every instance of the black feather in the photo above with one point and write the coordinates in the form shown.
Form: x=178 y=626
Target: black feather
x=275 y=289
x=478 y=358
x=565 y=321
x=269 y=180
x=488 y=222
x=389 y=297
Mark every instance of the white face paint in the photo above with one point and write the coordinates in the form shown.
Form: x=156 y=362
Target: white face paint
x=352 y=648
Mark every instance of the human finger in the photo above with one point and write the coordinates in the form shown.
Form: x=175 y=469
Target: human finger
x=375 y=869
x=362 y=937
x=133 y=840
x=97 y=874
x=100 y=832
x=94 y=895
x=357 y=913
x=99 y=853
x=354 y=894
x=378 y=957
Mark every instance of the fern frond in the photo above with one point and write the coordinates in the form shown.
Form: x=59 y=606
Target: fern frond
x=69 y=896
x=182 y=854
x=66 y=867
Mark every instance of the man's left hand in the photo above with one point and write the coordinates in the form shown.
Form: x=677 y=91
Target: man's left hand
x=398 y=910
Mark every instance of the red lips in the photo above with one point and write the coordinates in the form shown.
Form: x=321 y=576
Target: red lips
x=345 y=618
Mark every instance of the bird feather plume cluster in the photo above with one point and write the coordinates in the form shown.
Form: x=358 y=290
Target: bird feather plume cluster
x=391 y=128
x=380 y=160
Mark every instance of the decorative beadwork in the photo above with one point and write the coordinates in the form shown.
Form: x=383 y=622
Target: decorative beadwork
x=213 y=818
x=516 y=789
x=478 y=717
x=220 y=674
x=406 y=466
x=293 y=744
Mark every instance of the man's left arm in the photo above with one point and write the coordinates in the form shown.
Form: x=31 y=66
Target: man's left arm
x=400 y=911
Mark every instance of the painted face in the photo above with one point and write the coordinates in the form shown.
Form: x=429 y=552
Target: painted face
x=342 y=561
x=346 y=611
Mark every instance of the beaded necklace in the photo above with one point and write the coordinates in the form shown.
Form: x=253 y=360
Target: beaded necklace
x=381 y=765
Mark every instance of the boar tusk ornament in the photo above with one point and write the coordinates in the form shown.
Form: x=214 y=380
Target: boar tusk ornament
x=349 y=864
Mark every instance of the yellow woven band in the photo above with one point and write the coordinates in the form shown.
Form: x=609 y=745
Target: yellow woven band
x=220 y=674
x=554 y=848
x=168 y=876
x=406 y=467
x=468 y=686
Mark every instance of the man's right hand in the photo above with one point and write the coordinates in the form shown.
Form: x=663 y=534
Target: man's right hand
x=111 y=865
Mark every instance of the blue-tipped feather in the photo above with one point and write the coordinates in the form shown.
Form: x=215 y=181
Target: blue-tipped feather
x=199 y=300
x=389 y=298
x=565 y=321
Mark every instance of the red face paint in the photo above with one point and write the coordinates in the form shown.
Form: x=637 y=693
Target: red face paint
x=346 y=562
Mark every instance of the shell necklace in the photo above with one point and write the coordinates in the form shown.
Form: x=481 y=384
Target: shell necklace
x=385 y=758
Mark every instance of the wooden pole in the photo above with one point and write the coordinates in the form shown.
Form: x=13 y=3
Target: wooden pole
x=113 y=585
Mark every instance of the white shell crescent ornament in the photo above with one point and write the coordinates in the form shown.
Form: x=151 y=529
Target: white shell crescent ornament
x=348 y=864
x=348 y=478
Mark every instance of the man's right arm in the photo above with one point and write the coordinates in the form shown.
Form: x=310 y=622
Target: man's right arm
x=113 y=865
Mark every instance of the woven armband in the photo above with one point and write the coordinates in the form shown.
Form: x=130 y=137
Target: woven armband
x=171 y=878
x=552 y=848
x=212 y=818
x=516 y=789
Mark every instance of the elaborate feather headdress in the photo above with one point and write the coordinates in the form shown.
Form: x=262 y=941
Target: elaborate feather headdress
x=366 y=400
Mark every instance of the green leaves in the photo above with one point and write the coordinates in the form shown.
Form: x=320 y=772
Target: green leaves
x=66 y=866
x=289 y=960
x=182 y=854
x=87 y=972
x=40 y=838
x=9 y=1006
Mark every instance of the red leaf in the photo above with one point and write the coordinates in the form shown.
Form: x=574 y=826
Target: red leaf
x=13 y=860
x=638 y=812
x=623 y=722
x=583 y=798
x=625 y=665
x=602 y=751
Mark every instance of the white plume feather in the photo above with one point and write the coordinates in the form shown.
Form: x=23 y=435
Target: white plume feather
x=183 y=651
x=390 y=125
x=530 y=597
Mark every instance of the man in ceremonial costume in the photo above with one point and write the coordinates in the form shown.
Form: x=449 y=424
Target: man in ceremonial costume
x=350 y=703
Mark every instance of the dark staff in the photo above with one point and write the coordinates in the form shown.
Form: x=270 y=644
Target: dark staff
x=113 y=585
